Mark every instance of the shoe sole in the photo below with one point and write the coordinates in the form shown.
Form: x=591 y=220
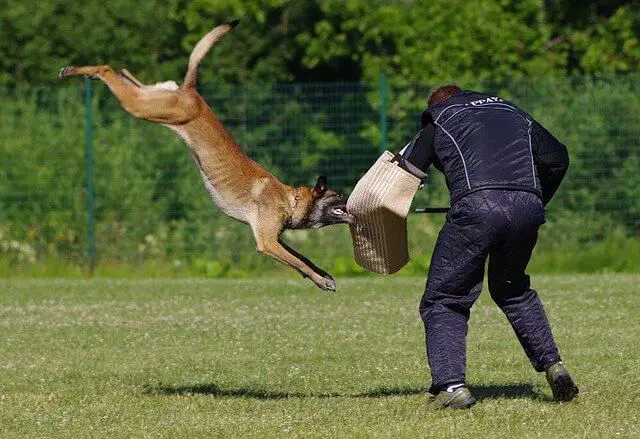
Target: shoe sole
x=564 y=389
x=463 y=404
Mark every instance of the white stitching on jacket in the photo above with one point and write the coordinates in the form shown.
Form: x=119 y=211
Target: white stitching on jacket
x=510 y=108
x=442 y=112
x=466 y=174
x=533 y=167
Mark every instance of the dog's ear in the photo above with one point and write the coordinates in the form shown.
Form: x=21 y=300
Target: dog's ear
x=321 y=187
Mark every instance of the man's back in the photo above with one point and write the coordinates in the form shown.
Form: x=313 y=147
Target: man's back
x=484 y=142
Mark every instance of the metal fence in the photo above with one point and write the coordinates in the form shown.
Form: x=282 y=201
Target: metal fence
x=82 y=181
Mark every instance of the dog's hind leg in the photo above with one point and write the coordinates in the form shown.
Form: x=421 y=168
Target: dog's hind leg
x=126 y=74
x=155 y=104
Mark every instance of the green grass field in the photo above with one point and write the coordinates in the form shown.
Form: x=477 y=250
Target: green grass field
x=278 y=358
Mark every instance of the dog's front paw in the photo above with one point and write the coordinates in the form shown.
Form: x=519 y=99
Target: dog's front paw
x=326 y=283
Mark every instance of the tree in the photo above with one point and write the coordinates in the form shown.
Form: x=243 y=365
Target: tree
x=432 y=41
x=38 y=38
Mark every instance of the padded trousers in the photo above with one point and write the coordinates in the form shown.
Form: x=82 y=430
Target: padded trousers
x=500 y=225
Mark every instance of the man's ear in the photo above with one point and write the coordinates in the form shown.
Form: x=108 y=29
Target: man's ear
x=321 y=187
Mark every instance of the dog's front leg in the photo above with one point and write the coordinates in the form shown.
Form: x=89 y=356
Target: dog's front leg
x=267 y=244
x=311 y=265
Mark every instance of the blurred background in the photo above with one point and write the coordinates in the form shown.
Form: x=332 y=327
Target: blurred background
x=306 y=88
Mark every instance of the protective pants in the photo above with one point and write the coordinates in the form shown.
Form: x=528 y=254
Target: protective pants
x=503 y=226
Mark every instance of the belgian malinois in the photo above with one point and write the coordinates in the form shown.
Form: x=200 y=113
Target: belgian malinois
x=238 y=186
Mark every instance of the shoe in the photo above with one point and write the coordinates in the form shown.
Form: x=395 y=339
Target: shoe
x=460 y=398
x=562 y=386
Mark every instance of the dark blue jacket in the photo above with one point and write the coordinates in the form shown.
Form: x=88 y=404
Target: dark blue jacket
x=484 y=142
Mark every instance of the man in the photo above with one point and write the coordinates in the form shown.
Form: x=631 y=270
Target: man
x=501 y=168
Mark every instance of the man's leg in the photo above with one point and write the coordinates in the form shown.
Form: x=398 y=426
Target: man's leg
x=453 y=285
x=509 y=285
x=510 y=288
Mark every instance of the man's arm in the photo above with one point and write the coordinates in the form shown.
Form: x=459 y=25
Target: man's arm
x=419 y=154
x=551 y=159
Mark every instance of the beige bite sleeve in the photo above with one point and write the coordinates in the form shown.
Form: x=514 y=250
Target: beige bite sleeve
x=381 y=201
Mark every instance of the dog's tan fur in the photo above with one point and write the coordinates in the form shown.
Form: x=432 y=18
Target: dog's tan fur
x=239 y=186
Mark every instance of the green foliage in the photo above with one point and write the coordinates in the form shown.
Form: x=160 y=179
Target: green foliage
x=38 y=38
x=596 y=36
x=432 y=41
x=322 y=41
x=612 y=46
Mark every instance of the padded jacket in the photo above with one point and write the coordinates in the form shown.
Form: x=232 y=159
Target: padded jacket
x=484 y=142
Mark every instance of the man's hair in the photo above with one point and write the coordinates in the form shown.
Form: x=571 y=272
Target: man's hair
x=442 y=92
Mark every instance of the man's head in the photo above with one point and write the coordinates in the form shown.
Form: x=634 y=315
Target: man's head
x=442 y=92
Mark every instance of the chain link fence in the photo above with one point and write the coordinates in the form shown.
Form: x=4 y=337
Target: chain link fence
x=85 y=185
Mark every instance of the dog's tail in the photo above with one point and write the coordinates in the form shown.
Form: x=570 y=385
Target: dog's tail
x=201 y=50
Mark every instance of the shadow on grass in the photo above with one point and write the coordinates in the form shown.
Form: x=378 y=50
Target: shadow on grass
x=506 y=391
x=248 y=392
x=514 y=391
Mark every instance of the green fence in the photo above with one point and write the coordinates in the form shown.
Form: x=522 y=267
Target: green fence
x=85 y=186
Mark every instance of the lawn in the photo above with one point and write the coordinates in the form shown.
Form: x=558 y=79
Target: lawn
x=278 y=358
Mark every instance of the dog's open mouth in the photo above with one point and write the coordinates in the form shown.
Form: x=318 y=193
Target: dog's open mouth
x=341 y=212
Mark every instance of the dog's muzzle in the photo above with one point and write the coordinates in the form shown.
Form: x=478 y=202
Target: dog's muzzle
x=341 y=214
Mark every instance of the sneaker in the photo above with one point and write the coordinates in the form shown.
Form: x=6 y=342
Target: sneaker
x=562 y=386
x=460 y=398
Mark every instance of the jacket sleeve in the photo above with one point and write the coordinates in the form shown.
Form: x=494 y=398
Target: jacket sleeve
x=551 y=159
x=419 y=154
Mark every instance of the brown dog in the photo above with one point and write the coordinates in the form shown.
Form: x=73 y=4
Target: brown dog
x=238 y=186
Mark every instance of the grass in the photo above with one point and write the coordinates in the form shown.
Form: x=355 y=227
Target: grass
x=278 y=358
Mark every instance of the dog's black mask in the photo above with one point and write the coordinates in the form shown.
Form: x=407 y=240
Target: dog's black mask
x=328 y=207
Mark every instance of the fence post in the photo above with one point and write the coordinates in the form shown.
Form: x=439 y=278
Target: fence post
x=384 y=132
x=88 y=160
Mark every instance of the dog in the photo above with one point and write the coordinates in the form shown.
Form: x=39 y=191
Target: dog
x=240 y=187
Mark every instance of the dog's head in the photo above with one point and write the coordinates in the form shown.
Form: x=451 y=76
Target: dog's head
x=326 y=207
